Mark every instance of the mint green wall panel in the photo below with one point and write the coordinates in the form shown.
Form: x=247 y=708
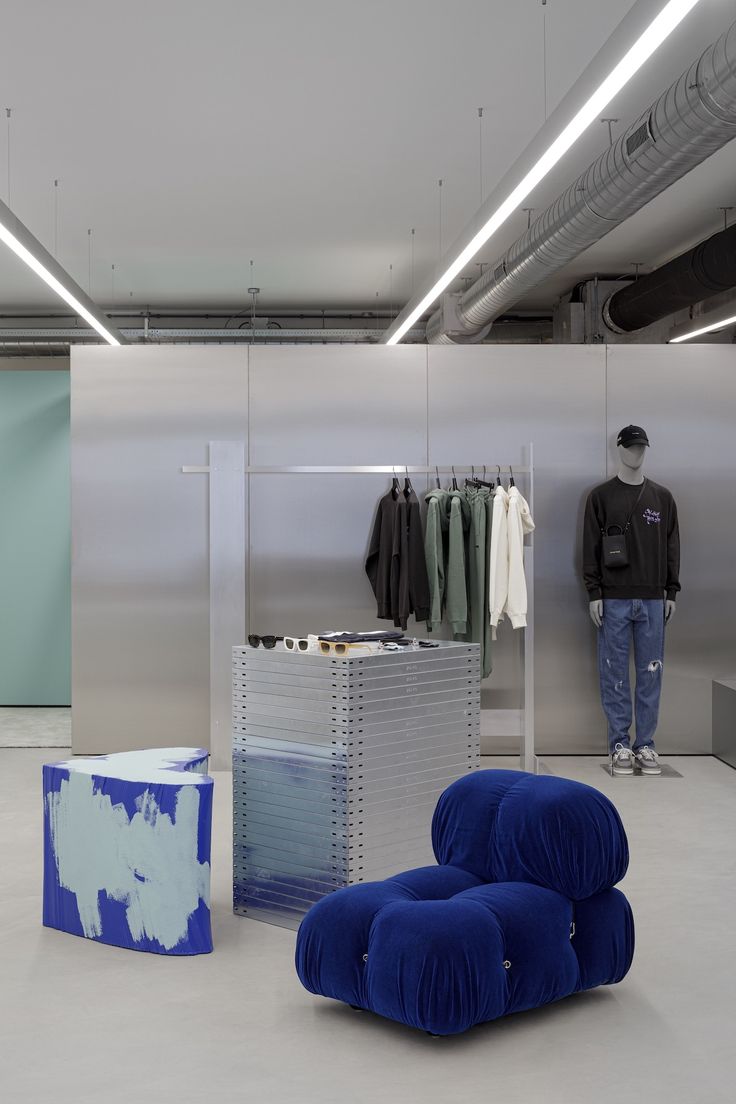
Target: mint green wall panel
x=35 y=570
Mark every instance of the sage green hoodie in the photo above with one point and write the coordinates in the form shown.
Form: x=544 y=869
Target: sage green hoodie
x=436 y=539
x=479 y=629
x=456 y=578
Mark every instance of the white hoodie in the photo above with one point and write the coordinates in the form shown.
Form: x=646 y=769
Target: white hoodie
x=519 y=521
x=498 y=584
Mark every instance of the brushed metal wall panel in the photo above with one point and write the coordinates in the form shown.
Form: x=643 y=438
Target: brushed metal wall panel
x=485 y=403
x=338 y=405
x=308 y=543
x=140 y=580
x=685 y=397
x=140 y=562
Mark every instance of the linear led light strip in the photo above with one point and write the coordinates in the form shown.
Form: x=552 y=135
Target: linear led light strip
x=658 y=30
x=56 y=285
x=710 y=328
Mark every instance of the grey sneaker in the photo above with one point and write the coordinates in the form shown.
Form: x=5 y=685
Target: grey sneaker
x=622 y=761
x=647 y=761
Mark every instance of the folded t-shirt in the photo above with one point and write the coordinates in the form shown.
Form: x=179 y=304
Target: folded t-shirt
x=374 y=637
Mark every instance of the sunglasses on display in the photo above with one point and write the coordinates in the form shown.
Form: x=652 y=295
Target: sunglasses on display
x=296 y=644
x=328 y=647
x=267 y=641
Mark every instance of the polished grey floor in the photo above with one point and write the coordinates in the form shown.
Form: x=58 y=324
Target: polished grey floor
x=83 y=1023
x=40 y=726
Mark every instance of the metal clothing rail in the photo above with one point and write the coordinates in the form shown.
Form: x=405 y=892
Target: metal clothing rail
x=368 y=469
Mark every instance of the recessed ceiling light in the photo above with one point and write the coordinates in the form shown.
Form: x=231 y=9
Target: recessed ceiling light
x=655 y=34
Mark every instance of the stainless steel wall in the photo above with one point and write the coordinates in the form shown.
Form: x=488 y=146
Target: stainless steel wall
x=141 y=660
x=485 y=403
x=309 y=533
x=685 y=397
x=140 y=580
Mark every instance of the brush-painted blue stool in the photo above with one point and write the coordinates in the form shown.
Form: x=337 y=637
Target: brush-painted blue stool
x=127 y=849
x=520 y=912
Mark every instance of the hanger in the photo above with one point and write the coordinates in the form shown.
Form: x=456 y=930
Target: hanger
x=481 y=482
x=498 y=477
x=454 y=480
x=437 y=476
x=407 y=483
x=395 y=488
x=511 y=480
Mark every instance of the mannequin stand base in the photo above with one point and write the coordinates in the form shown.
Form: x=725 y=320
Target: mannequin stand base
x=667 y=772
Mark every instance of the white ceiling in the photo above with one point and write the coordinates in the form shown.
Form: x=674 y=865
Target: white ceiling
x=306 y=136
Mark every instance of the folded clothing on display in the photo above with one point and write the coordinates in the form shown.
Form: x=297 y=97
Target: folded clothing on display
x=388 y=640
x=362 y=637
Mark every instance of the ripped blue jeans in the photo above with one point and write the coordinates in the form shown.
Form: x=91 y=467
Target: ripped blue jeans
x=642 y=619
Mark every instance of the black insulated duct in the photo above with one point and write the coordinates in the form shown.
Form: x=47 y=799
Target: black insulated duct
x=703 y=271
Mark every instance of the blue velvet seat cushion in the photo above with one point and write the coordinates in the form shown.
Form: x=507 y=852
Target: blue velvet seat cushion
x=334 y=935
x=510 y=826
x=438 y=949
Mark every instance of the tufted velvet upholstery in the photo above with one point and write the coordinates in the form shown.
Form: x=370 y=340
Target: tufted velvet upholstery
x=520 y=912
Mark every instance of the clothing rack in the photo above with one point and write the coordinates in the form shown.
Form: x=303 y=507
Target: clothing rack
x=226 y=455
x=368 y=469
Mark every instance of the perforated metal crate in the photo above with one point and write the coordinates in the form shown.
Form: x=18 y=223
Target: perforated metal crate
x=337 y=766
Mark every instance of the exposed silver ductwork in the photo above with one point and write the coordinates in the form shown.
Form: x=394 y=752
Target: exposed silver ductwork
x=693 y=119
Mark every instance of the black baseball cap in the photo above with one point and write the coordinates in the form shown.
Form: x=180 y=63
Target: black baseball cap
x=632 y=435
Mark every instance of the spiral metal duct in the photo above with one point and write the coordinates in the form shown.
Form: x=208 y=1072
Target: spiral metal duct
x=693 y=119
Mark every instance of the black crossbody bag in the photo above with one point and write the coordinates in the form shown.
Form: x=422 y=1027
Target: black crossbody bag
x=615 y=551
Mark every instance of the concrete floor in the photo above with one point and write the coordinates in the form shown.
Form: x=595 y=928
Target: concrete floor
x=81 y=1022
x=40 y=726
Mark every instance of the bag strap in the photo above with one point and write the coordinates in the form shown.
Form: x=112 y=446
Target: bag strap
x=633 y=508
x=626 y=527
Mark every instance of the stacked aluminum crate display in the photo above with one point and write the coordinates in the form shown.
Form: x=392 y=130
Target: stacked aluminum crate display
x=338 y=764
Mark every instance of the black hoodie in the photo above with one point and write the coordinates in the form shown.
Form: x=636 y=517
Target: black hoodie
x=395 y=564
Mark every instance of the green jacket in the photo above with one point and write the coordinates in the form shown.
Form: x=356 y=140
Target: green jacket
x=436 y=539
x=456 y=582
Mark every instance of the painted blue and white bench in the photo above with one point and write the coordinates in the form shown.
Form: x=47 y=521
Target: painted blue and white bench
x=127 y=849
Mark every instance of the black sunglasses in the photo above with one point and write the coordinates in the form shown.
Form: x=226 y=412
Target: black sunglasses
x=266 y=641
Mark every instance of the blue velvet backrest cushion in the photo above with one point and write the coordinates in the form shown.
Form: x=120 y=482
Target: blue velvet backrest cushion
x=510 y=826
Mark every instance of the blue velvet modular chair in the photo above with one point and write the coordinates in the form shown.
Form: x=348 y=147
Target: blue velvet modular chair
x=521 y=910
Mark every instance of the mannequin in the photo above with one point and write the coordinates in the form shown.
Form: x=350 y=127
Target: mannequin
x=632 y=598
x=631 y=463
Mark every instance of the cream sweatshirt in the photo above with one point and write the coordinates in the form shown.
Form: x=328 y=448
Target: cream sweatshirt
x=498 y=584
x=519 y=521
